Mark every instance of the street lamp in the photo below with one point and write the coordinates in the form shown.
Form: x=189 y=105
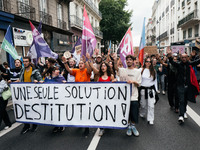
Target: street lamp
x=159 y=36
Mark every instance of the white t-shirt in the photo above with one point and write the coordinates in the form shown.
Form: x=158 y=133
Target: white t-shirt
x=147 y=80
x=126 y=74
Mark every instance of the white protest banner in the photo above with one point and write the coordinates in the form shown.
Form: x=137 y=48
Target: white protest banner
x=72 y=104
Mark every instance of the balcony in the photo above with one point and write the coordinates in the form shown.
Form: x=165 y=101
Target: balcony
x=92 y=5
x=191 y=18
x=5 y=5
x=25 y=10
x=62 y=24
x=171 y=31
x=97 y=32
x=162 y=36
x=46 y=18
x=76 y=22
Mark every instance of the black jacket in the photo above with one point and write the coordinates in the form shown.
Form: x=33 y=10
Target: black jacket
x=183 y=71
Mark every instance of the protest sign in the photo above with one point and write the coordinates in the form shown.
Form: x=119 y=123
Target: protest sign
x=72 y=104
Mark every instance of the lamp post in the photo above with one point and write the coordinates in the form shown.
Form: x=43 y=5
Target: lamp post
x=158 y=36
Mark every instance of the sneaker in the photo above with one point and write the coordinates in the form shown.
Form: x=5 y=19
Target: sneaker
x=158 y=92
x=55 y=129
x=163 y=92
x=25 y=130
x=101 y=132
x=61 y=129
x=135 y=131
x=181 y=119
x=129 y=131
x=34 y=128
x=151 y=122
x=185 y=116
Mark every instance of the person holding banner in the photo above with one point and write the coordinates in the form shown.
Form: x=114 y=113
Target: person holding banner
x=132 y=75
x=56 y=77
x=3 y=103
x=29 y=74
x=105 y=75
x=82 y=74
x=148 y=91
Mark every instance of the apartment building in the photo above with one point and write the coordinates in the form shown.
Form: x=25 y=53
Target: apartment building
x=175 y=23
x=54 y=15
x=76 y=18
x=149 y=33
x=188 y=22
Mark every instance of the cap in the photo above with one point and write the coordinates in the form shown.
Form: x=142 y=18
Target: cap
x=99 y=56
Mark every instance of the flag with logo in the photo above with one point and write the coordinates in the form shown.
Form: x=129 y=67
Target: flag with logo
x=76 y=51
x=88 y=37
x=142 y=45
x=126 y=46
x=32 y=51
x=41 y=47
x=8 y=46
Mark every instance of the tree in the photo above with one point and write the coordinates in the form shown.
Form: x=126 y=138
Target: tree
x=115 y=20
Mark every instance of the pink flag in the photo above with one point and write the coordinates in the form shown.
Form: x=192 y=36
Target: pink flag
x=88 y=37
x=126 y=46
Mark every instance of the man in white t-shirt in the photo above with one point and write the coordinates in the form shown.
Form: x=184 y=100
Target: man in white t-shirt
x=132 y=75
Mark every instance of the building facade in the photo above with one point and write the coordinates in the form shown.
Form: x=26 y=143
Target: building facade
x=175 y=24
x=76 y=19
x=54 y=15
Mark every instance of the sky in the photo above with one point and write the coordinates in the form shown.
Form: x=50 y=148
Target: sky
x=140 y=9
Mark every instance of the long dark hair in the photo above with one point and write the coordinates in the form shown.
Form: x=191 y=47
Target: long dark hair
x=113 y=68
x=151 y=68
x=101 y=73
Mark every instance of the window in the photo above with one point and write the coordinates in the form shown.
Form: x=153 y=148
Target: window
x=196 y=32
x=59 y=11
x=184 y=34
x=43 y=5
x=25 y=1
x=189 y=32
x=76 y=9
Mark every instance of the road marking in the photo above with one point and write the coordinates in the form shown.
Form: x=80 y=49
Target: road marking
x=95 y=141
x=193 y=115
x=15 y=125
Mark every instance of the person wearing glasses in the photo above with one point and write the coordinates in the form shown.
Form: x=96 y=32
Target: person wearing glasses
x=148 y=90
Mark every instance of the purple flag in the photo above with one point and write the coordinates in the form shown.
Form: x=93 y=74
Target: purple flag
x=32 y=51
x=88 y=37
x=40 y=45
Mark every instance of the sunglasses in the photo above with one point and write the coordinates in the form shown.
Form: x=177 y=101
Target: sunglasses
x=148 y=61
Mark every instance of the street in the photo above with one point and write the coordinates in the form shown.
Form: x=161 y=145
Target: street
x=165 y=134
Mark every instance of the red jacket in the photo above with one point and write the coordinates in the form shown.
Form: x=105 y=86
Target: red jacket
x=193 y=78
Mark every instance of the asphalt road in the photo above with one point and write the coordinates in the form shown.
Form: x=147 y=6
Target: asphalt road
x=165 y=134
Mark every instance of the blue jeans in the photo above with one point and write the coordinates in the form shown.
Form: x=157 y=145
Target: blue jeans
x=161 y=81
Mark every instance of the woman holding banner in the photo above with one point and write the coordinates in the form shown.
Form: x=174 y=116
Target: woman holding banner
x=82 y=74
x=56 y=77
x=104 y=76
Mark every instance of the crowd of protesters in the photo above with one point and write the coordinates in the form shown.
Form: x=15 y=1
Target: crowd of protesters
x=176 y=74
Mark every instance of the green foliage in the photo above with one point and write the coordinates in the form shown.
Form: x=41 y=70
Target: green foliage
x=115 y=20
